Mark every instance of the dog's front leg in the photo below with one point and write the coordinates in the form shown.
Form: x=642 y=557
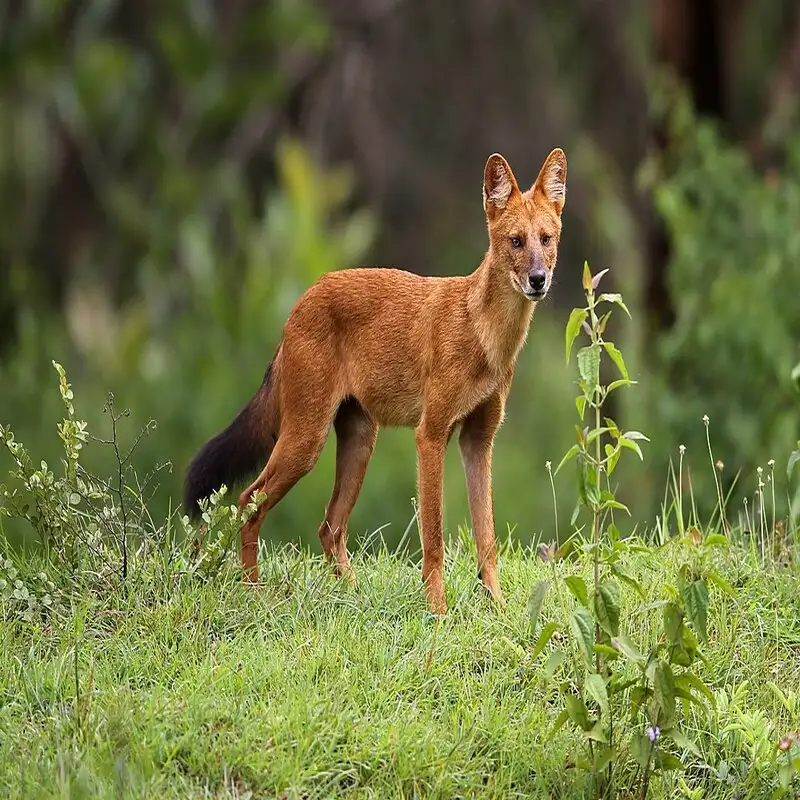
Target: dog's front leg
x=431 y=443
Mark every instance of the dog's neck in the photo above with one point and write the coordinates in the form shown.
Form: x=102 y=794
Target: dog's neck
x=500 y=314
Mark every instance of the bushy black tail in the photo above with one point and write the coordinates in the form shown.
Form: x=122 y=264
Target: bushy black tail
x=242 y=448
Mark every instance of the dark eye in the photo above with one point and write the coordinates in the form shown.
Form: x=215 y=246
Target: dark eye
x=546 y=240
x=516 y=241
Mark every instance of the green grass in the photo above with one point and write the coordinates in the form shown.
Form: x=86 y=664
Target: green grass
x=304 y=687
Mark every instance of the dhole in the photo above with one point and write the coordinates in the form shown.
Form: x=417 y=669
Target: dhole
x=371 y=347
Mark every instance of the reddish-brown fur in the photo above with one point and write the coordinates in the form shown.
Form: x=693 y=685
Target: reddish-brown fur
x=371 y=347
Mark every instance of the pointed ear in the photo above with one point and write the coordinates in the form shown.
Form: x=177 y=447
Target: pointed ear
x=552 y=180
x=498 y=184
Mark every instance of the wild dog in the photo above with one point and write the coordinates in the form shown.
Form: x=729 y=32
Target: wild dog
x=370 y=347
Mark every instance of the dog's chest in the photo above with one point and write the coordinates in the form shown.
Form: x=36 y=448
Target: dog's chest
x=469 y=393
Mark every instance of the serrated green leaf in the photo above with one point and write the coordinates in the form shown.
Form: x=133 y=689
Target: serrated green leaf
x=596 y=734
x=554 y=661
x=596 y=689
x=580 y=404
x=606 y=606
x=605 y=496
x=616 y=357
x=638 y=696
x=689 y=641
x=673 y=623
x=589 y=368
x=695 y=598
x=577 y=711
x=717 y=579
x=559 y=722
x=628 y=648
x=576 y=319
x=664 y=691
x=668 y=762
x=544 y=637
x=535 y=600
x=582 y=627
x=577 y=586
x=607 y=651
x=616 y=686
x=621 y=573
x=640 y=748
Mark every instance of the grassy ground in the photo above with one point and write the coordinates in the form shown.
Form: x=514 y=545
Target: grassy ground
x=304 y=687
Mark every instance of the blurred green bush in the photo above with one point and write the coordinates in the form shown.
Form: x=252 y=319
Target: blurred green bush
x=735 y=286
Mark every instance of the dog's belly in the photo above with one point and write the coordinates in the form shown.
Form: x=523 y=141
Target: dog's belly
x=404 y=406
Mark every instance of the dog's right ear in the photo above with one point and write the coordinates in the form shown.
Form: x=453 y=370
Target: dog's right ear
x=499 y=184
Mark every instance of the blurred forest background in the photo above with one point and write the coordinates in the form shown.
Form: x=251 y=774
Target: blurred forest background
x=174 y=174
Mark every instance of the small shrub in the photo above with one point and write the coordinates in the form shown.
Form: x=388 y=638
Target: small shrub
x=96 y=534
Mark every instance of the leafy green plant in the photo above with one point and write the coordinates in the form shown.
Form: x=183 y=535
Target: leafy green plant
x=92 y=529
x=758 y=760
x=624 y=700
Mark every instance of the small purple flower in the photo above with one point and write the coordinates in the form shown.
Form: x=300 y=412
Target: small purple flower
x=653 y=733
x=547 y=552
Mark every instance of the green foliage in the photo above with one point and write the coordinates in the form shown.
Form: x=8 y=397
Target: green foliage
x=733 y=282
x=170 y=676
x=150 y=122
x=624 y=701
x=97 y=533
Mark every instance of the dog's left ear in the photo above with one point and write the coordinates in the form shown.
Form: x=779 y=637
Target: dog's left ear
x=551 y=182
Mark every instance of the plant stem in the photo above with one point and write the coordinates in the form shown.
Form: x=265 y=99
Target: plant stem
x=596 y=516
x=555 y=502
x=720 y=501
x=646 y=776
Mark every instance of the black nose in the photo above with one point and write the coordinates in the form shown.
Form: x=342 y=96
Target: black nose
x=537 y=279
